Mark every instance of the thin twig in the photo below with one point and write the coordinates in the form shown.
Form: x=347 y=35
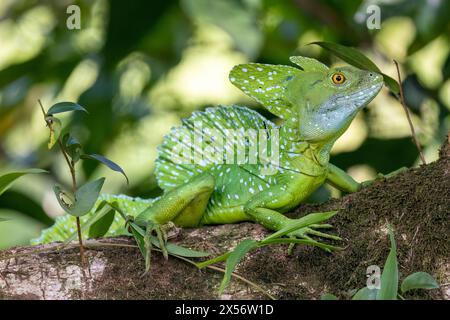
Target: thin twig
x=402 y=101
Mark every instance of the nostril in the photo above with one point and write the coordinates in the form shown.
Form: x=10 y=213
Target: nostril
x=371 y=74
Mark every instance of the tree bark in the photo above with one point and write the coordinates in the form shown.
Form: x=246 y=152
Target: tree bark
x=415 y=203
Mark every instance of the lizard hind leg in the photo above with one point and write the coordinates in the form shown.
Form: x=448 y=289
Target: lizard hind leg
x=183 y=206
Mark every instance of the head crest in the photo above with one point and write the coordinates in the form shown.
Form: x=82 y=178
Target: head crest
x=267 y=83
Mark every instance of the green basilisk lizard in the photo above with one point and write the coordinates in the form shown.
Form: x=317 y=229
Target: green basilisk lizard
x=228 y=182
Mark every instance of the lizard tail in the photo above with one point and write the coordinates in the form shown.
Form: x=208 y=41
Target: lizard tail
x=65 y=227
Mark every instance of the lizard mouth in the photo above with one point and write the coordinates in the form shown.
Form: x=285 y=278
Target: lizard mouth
x=361 y=97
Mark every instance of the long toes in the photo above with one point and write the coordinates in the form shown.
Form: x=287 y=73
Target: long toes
x=324 y=235
x=305 y=236
x=321 y=226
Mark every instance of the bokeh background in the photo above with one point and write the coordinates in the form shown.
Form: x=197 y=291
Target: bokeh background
x=139 y=66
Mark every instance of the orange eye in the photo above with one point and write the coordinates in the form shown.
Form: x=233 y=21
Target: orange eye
x=338 y=78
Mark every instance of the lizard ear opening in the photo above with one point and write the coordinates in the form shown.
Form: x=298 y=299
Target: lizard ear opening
x=266 y=84
x=309 y=64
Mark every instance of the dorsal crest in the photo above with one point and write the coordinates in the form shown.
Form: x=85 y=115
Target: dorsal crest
x=309 y=64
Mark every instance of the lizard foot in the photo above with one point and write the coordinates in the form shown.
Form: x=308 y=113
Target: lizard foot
x=311 y=230
x=381 y=176
x=157 y=234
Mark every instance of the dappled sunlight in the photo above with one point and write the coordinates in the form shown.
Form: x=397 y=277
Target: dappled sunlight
x=395 y=37
x=82 y=78
x=387 y=118
x=428 y=62
x=136 y=150
x=353 y=138
x=26 y=37
x=362 y=172
x=201 y=78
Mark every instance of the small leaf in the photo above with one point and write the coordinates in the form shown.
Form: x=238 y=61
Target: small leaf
x=85 y=197
x=139 y=240
x=65 y=107
x=233 y=259
x=328 y=296
x=305 y=221
x=389 y=277
x=60 y=194
x=8 y=178
x=72 y=147
x=349 y=55
x=55 y=130
x=419 y=280
x=110 y=164
x=391 y=84
x=100 y=227
x=183 y=251
x=366 y=294
x=355 y=58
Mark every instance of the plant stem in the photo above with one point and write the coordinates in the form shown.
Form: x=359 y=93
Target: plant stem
x=402 y=101
x=71 y=166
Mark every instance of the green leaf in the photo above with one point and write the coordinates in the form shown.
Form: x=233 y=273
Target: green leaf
x=85 y=197
x=391 y=84
x=183 y=251
x=139 y=240
x=355 y=58
x=305 y=221
x=8 y=178
x=389 y=277
x=100 y=227
x=55 y=130
x=60 y=194
x=65 y=107
x=419 y=280
x=349 y=55
x=366 y=294
x=100 y=211
x=72 y=147
x=110 y=164
x=233 y=259
x=328 y=296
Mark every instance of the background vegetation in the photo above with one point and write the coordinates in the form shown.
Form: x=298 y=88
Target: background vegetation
x=139 y=66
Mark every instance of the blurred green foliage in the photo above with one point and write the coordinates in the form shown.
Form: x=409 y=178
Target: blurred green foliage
x=138 y=66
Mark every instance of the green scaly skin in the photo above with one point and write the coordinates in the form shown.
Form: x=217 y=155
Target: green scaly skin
x=316 y=112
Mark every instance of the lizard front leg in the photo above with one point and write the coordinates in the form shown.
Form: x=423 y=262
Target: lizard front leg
x=344 y=182
x=341 y=179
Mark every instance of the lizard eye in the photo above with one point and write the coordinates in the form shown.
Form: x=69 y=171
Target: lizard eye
x=338 y=78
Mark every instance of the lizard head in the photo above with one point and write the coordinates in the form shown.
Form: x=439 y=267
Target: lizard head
x=327 y=102
x=317 y=101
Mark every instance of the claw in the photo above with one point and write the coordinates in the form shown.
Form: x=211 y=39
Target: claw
x=323 y=235
x=148 y=249
x=162 y=238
